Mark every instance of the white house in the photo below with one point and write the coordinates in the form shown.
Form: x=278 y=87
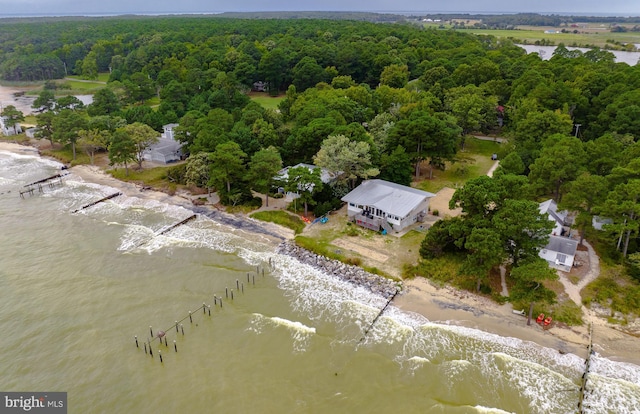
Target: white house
x=376 y=204
x=560 y=252
x=167 y=149
x=325 y=176
x=8 y=131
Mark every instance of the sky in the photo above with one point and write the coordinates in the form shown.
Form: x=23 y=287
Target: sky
x=62 y=7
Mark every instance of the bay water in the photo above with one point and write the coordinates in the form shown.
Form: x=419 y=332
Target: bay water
x=77 y=288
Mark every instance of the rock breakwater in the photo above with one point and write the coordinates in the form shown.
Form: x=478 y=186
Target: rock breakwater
x=352 y=274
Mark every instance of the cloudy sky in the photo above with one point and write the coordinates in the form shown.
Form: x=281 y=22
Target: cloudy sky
x=619 y=7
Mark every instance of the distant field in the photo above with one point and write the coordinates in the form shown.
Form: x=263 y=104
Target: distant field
x=592 y=34
x=588 y=37
x=268 y=102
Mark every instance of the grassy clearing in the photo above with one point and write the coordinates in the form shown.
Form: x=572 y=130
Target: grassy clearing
x=282 y=218
x=65 y=155
x=614 y=289
x=324 y=248
x=20 y=138
x=472 y=162
x=154 y=177
x=267 y=101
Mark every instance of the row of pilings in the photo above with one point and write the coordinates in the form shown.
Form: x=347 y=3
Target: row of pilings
x=159 y=338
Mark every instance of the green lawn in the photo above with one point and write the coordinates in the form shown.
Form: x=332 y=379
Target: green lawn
x=267 y=101
x=473 y=161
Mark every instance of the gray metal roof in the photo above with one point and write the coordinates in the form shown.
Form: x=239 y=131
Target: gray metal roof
x=563 y=245
x=389 y=197
x=550 y=207
x=325 y=176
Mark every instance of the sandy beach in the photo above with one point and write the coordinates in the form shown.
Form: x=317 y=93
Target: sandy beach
x=438 y=304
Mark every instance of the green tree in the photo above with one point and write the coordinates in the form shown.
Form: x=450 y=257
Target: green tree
x=348 y=160
x=528 y=287
x=45 y=101
x=306 y=182
x=425 y=136
x=511 y=164
x=583 y=194
x=105 y=102
x=198 y=170
x=90 y=66
x=485 y=251
x=12 y=117
x=307 y=73
x=263 y=167
x=523 y=229
x=44 y=126
x=122 y=149
x=559 y=162
x=623 y=206
x=68 y=102
x=66 y=126
x=395 y=76
x=473 y=110
x=143 y=136
x=227 y=166
x=396 y=167
x=533 y=130
x=93 y=140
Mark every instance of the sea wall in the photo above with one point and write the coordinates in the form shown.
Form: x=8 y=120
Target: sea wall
x=352 y=274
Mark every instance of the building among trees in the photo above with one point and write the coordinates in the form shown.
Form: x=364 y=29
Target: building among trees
x=376 y=204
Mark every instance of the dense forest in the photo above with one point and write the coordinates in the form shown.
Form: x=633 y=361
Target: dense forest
x=367 y=100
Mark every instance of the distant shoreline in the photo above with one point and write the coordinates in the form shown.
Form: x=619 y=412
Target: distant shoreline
x=472 y=13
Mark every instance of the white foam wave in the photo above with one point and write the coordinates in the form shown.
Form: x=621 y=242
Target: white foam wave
x=487 y=410
x=300 y=333
x=615 y=369
x=418 y=360
x=533 y=381
x=612 y=395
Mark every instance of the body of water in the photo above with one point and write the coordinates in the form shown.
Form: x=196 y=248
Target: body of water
x=75 y=288
x=546 y=53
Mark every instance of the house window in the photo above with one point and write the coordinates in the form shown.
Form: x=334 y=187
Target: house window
x=561 y=258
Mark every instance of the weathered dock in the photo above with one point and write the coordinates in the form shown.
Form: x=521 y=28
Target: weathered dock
x=31 y=187
x=44 y=180
x=109 y=197
x=173 y=226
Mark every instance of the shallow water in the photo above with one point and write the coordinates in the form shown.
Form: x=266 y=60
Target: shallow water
x=76 y=288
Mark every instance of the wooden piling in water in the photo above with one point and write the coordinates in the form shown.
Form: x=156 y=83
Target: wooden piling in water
x=109 y=197
x=585 y=375
x=173 y=226
x=44 y=180
x=379 y=315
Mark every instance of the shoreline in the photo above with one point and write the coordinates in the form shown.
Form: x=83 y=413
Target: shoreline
x=444 y=305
